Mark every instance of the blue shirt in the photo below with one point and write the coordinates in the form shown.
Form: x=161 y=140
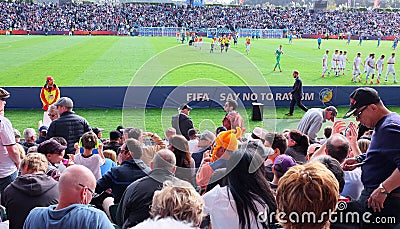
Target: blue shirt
x=383 y=155
x=107 y=166
x=73 y=216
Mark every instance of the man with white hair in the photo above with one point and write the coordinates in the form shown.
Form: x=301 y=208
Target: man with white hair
x=30 y=138
x=73 y=209
x=135 y=204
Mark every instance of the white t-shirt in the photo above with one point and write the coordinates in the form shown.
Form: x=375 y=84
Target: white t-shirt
x=391 y=60
x=325 y=60
x=366 y=63
x=371 y=63
x=93 y=163
x=335 y=57
x=379 y=63
x=357 y=62
x=7 y=138
x=353 y=185
x=223 y=210
x=193 y=145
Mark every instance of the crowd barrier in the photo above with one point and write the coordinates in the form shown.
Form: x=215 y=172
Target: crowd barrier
x=199 y=97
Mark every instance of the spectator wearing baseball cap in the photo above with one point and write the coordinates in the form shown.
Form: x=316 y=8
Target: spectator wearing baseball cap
x=281 y=165
x=206 y=139
x=312 y=120
x=182 y=122
x=42 y=134
x=69 y=125
x=362 y=97
x=54 y=153
x=9 y=153
x=381 y=164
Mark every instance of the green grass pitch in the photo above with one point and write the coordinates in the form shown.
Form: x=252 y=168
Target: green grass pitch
x=114 y=61
x=122 y=61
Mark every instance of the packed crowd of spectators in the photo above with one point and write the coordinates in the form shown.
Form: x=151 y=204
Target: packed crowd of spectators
x=124 y=17
x=224 y=178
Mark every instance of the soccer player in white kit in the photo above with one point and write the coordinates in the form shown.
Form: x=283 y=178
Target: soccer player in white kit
x=344 y=61
x=325 y=63
x=356 y=68
x=390 y=68
x=334 y=62
x=379 y=68
x=371 y=68
x=365 y=64
x=340 y=62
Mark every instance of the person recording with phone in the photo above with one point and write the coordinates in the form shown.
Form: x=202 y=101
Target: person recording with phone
x=380 y=171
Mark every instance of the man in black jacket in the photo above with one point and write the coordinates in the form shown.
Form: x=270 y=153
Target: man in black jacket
x=69 y=125
x=115 y=141
x=182 y=122
x=130 y=170
x=297 y=93
x=134 y=207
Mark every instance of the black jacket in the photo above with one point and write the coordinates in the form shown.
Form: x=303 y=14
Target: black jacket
x=69 y=126
x=112 y=146
x=182 y=123
x=297 y=89
x=134 y=207
x=27 y=192
x=120 y=177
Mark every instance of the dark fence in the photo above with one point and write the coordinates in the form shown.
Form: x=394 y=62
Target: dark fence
x=198 y=97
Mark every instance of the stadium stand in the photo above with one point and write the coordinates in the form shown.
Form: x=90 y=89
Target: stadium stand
x=124 y=17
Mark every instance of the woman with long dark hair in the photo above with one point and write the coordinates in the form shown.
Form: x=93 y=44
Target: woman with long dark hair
x=184 y=162
x=247 y=201
x=297 y=146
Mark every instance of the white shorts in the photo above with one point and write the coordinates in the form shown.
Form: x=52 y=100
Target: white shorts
x=356 y=71
x=340 y=65
x=379 y=70
x=390 y=69
x=370 y=71
x=333 y=64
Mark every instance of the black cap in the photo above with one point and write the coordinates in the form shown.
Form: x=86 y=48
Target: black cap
x=362 y=96
x=184 y=106
x=4 y=94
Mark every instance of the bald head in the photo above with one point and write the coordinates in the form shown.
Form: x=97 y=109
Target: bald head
x=74 y=185
x=337 y=146
x=164 y=159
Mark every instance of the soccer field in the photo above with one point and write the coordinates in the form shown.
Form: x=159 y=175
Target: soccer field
x=122 y=61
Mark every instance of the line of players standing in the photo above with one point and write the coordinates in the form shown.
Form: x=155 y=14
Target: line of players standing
x=339 y=61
